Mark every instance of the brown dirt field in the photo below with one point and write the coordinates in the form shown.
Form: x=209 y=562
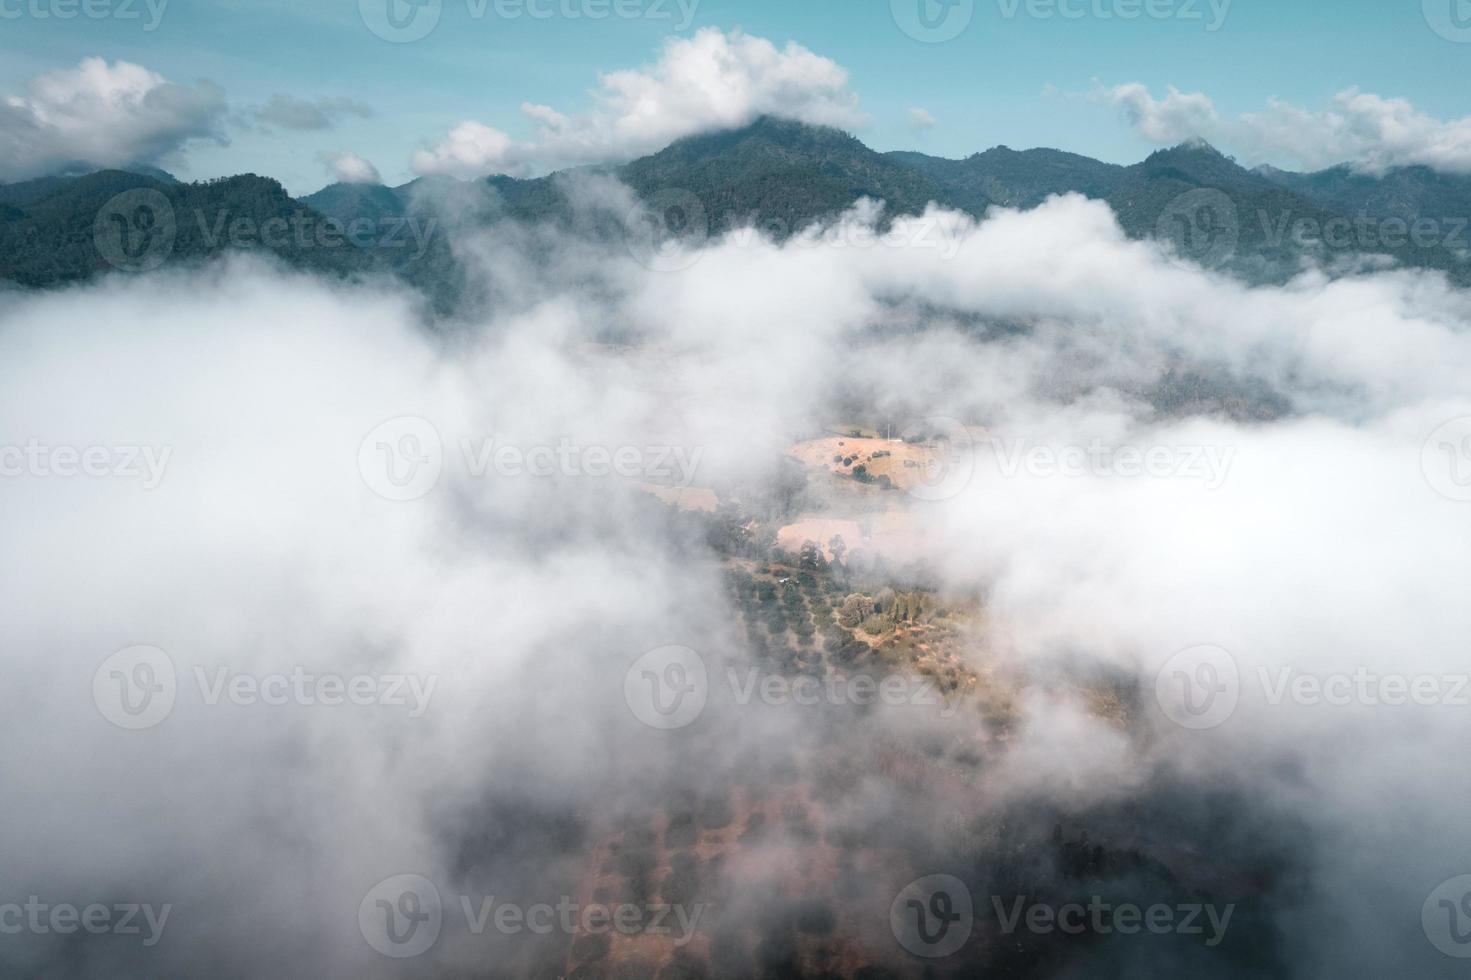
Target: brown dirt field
x=890 y=533
x=820 y=453
x=684 y=498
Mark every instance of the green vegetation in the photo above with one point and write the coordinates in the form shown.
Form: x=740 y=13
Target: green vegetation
x=780 y=176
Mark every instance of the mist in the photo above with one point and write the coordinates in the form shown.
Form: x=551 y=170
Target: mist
x=475 y=527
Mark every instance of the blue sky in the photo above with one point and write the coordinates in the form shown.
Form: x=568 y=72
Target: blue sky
x=1002 y=80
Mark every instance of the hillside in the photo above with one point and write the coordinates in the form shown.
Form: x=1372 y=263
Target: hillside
x=778 y=174
x=61 y=230
x=786 y=174
x=1014 y=178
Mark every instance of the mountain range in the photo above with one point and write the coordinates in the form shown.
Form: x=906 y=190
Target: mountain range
x=777 y=174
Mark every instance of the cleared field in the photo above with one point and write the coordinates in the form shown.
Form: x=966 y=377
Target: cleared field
x=892 y=534
x=685 y=498
x=900 y=461
x=905 y=464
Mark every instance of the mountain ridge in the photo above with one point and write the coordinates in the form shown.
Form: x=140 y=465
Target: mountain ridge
x=781 y=176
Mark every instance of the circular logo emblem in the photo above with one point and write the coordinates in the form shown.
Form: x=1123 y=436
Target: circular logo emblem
x=667 y=688
x=1446 y=917
x=951 y=461
x=401 y=916
x=1451 y=19
x=402 y=458
x=933 y=21
x=135 y=230
x=667 y=233
x=401 y=21
x=1202 y=227
x=933 y=916
x=135 y=688
x=1198 y=688
x=1446 y=459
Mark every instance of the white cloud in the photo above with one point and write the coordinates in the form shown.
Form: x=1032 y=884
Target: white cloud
x=921 y=119
x=713 y=80
x=101 y=115
x=1325 y=549
x=349 y=168
x=1173 y=119
x=470 y=150
x=1369 y=131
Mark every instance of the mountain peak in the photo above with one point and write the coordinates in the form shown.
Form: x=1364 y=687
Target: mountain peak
x=1196 y=144
x=777 y=130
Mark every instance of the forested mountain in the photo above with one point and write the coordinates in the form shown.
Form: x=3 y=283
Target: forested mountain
x=1014 y=178
x=60 y=230
x=775 y=174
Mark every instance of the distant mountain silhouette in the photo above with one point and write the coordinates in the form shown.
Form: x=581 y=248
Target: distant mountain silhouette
x=779 y=175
